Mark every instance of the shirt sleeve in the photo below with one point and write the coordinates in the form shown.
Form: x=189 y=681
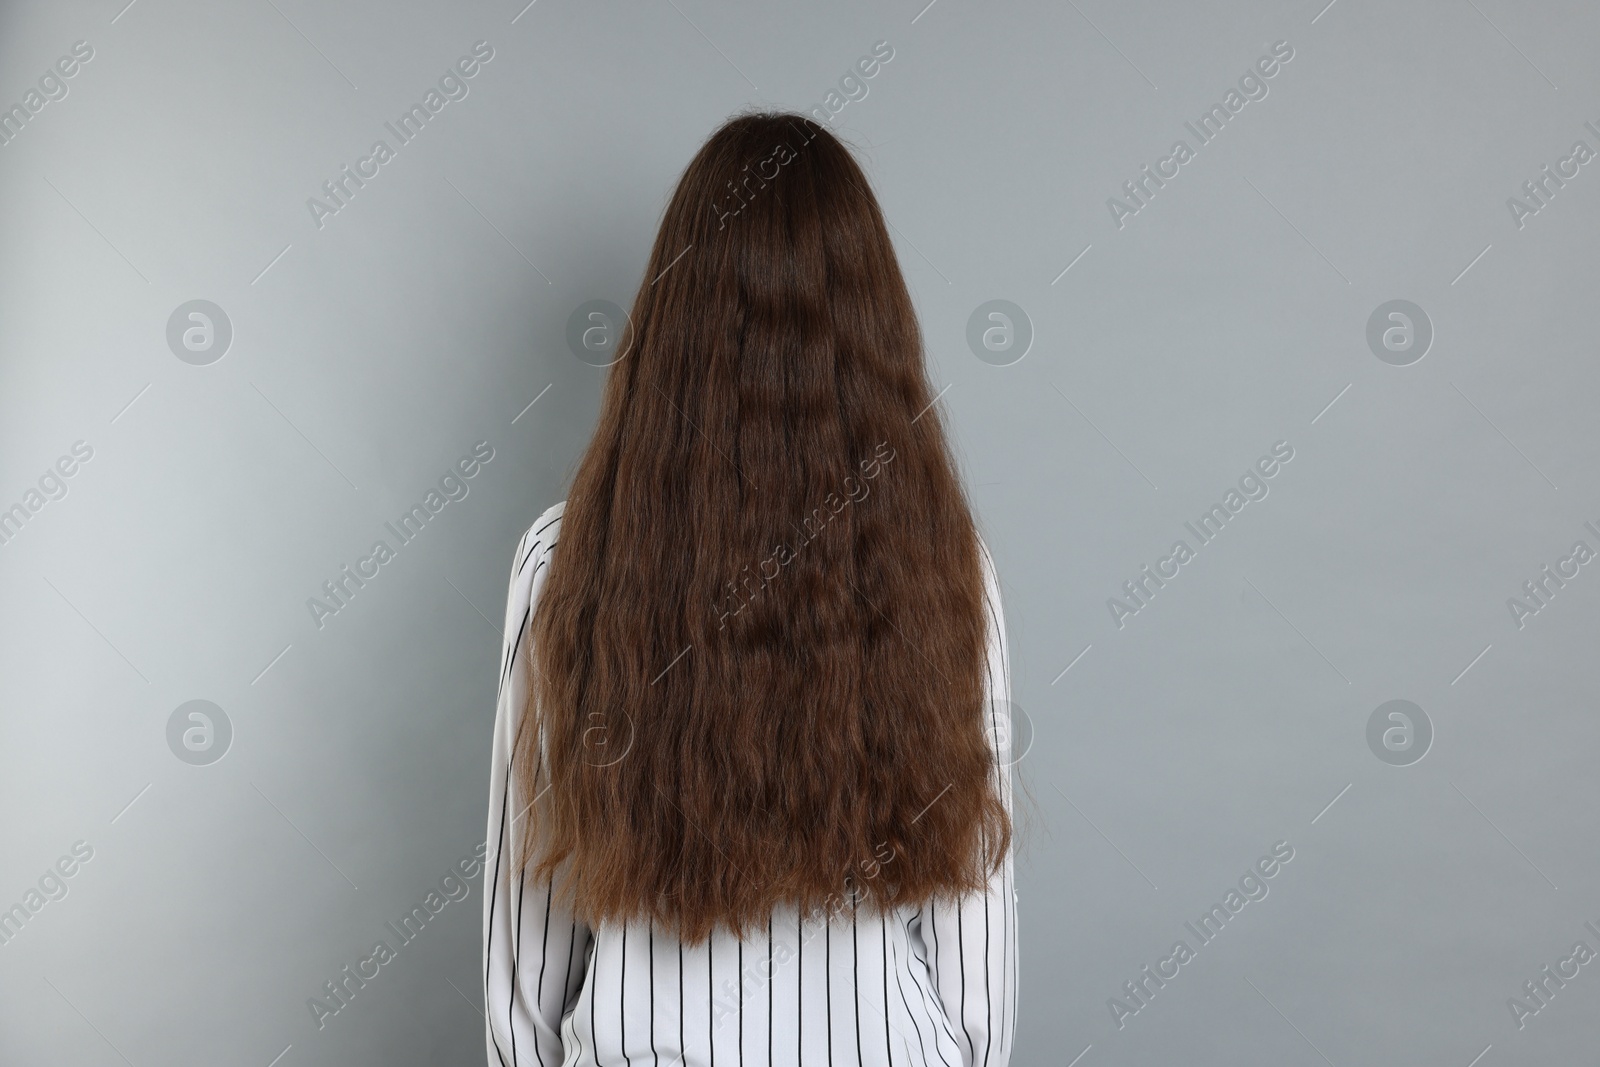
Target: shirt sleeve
x=535 y=952
x=972 y=944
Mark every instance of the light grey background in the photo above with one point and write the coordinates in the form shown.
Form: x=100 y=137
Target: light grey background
x=1230 y=313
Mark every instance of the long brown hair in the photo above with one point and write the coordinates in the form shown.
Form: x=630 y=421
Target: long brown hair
x=758 y=672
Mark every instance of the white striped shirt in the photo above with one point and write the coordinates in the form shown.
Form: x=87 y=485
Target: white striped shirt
x=929 y=986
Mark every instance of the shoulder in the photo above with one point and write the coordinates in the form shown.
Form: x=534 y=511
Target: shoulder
x=993 y=599
x=529 y=561
x=538 y=539
x=986 y=564
x=545 y=526
x=528 y=567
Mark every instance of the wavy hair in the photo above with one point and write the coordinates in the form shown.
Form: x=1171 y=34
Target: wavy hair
x=758 y=669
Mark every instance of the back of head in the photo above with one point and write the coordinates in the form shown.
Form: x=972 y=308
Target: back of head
x=758 y=658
